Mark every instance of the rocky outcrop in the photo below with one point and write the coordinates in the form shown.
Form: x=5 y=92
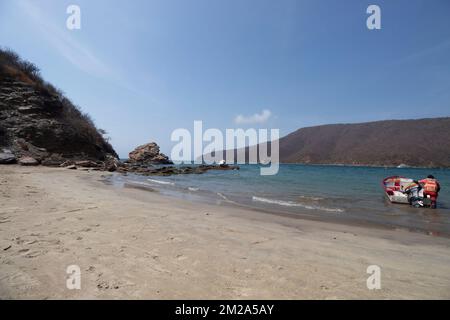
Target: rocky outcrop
x=142 y=162
x=38 y=121
x=171 y=170
x=148 y=154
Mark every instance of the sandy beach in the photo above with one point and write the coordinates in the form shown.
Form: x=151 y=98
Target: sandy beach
x=136 y=244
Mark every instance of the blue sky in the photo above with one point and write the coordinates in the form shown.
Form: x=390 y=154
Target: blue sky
x=144 y=68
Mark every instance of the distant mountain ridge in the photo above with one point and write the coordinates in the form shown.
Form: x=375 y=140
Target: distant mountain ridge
x=421 y=142
x=417 y=143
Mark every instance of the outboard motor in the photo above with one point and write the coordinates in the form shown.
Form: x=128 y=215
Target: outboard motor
x=414 y=197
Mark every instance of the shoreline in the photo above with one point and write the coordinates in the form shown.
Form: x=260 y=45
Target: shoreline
x=136 y=244
x=305 y=215
x=318 y=213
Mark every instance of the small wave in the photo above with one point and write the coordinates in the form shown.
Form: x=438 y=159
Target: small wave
x=311 y=198
x=161 y=182
x=192 y=189
x=295 y=204
x=222 y=196
x=225 y=198
x=138 y=183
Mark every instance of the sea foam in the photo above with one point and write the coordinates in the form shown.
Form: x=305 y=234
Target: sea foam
x=295 y=204
x=161 y=182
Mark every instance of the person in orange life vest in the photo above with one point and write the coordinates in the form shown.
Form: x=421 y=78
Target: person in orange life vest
x=431 y=188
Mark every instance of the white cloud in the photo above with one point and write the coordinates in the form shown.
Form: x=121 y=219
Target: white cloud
x=257 y=118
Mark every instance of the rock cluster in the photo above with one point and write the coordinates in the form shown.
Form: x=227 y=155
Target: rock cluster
x=148 y=154
x=171 y=170
x=111 y=163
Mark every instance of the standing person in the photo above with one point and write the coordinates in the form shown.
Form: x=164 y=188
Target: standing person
x=431 y=188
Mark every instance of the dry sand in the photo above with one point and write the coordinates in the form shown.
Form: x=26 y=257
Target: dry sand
x=136 y=244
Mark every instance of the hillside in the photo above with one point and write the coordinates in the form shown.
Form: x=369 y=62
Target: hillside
x=421 y=143
x=38 y=121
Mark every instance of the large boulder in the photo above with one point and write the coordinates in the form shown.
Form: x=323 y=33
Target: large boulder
x=28 y=161
x=7 y=157
x=148 y=154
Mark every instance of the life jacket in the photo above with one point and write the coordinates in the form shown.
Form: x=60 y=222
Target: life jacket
x=429 y=185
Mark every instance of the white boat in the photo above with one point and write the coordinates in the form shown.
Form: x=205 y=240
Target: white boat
x=395 y=188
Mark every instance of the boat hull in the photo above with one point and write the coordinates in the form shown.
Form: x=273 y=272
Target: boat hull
x=394 y=189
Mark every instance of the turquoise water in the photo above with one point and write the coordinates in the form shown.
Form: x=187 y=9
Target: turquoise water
x=339 y=193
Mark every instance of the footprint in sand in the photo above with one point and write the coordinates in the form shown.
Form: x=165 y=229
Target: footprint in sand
x=90 y=269
x=23 y=280
x=54 y=242
x=5 y=219
x=18 y=240
x=34 y=234
x=105 y=285
x=174 y=239
x=35 y=254
x=262 y=241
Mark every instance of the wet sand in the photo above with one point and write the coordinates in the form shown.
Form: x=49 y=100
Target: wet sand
x=136 y=244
